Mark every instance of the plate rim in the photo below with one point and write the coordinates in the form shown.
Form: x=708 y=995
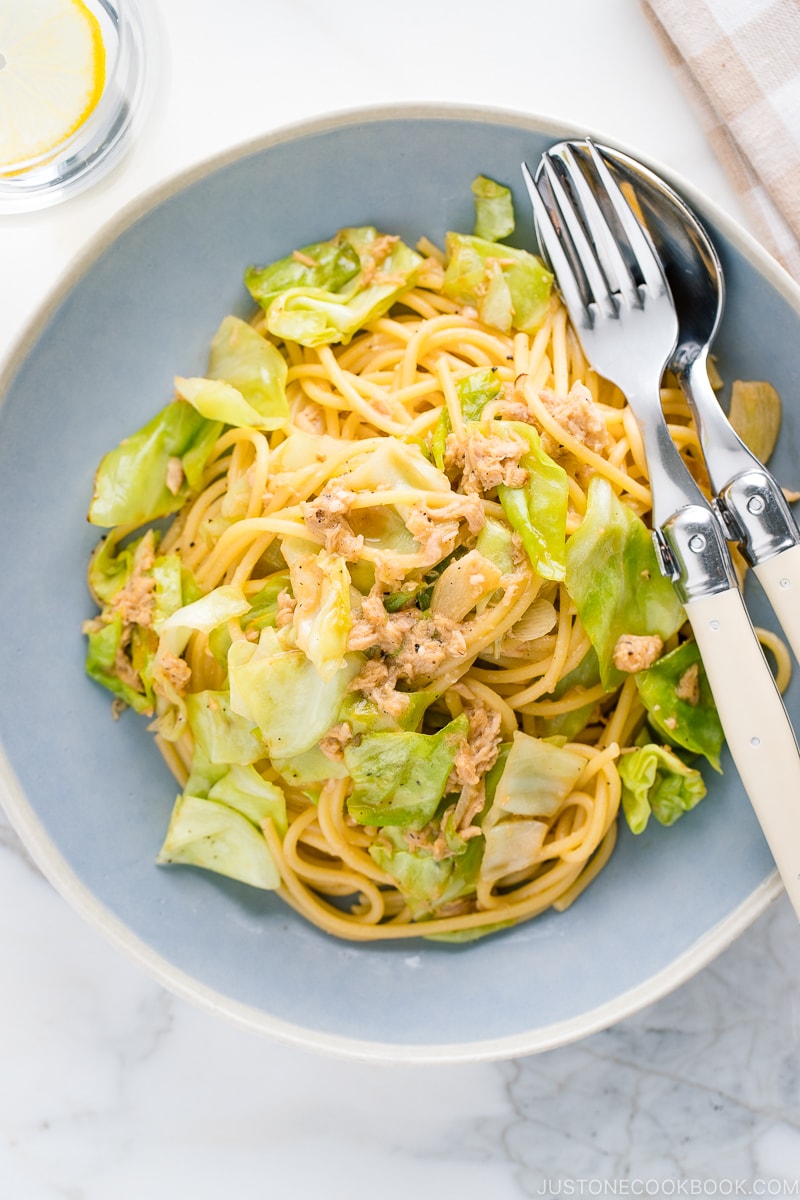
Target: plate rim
x=38 y=841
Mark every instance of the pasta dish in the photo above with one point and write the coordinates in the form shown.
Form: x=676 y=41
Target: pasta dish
x=383 y=583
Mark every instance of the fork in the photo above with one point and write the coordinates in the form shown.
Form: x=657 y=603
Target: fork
x=620 y=305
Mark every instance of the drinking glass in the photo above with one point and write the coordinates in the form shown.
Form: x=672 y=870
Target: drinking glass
x=89 y=151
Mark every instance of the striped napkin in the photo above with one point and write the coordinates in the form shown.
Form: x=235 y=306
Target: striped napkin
x=739 y=62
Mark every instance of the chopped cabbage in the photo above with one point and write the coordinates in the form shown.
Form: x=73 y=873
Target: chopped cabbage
x=205 y=833
x=131 y=482
x=319 y=295
x=426 y=882
x=680 y=704
x=537 y=777
x=655 y=780
x=399 y=778
x=321 y=619
x=511 y=846
x=220 y=733
x=282 y=693
x=243 y=789
x=614 y=578
x=494 y=209
x=246 y=380
x=538 y=509
x=509 y=287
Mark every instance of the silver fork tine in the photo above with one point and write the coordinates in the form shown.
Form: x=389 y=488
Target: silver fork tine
x=648 y=260
x=585 y=251
x=606 y=247
x=559 y=261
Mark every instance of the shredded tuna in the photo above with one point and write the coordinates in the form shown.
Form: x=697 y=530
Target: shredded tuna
x=176 y=671
x=175 y=476
x=376 y=253
x=634 y=652
x=426 y=646
x=327 y=516
x=125 y=672
x=335 y=740
x=437 y=529
x=478 y=752
x=688 y=687
x=417 y=645
x=579 y=416
x=377 y=683
x=510 y=410
x=487 y=459
x=135 y=602
x=411 y=647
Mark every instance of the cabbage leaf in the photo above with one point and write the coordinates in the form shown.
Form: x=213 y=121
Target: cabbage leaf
x=321 y=619
x=245 y=384
x=281 y=692
x=364 y=716
x=326 y=292
x=537 y=511
x=206 y=833
x=495 y=542
x=683 y=712
x=399 y=778
x=613 y=576
x=222 y=604
x=245 y=790
x=511 y=846
x=537 y=777
x=426 y=883
x=655 y=780
x=220 y=733
x=494 y=209
x=510 y=288
x=121 y=655
x=130 y=485
x=104 y=646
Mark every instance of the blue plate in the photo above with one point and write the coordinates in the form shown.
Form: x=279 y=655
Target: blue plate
x=91 y=796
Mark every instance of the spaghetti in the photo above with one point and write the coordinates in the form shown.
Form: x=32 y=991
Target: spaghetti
x=375 y=537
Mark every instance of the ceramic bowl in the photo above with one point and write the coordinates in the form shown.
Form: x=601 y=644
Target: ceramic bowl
x=91 y=796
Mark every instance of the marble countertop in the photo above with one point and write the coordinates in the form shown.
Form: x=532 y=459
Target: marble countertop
x=113 y=1089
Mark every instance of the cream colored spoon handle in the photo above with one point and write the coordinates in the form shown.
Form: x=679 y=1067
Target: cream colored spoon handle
x=759 y=733
x=780 y=578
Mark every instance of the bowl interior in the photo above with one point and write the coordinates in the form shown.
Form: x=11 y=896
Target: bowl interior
x=142 y=308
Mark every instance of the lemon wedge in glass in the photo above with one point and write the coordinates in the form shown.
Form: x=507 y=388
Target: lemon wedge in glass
x=52 y=75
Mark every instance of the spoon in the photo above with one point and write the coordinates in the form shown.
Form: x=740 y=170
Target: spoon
x=750 y=501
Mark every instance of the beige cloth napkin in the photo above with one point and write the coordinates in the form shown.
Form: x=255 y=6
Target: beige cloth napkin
x=739 y=62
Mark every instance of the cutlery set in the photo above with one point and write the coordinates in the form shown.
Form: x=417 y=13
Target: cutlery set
x=644 y=289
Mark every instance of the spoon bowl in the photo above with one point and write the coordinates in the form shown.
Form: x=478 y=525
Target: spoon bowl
x=691 y=263
x=747 y=497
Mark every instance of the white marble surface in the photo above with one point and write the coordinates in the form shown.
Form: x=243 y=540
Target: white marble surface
x=111 y=1089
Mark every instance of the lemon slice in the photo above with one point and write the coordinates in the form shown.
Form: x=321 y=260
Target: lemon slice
x=52 y=74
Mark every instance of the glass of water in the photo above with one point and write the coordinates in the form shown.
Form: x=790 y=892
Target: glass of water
x=74 y=79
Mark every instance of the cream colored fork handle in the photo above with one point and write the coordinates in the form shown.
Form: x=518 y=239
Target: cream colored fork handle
x=757 y=727
x=780 y=578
